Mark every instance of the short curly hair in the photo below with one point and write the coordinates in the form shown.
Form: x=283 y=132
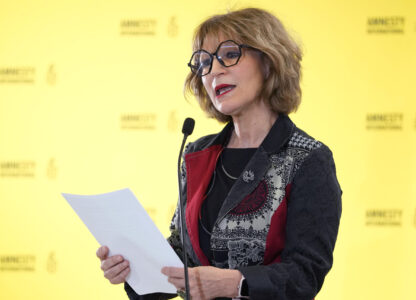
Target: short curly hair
x=281 y=56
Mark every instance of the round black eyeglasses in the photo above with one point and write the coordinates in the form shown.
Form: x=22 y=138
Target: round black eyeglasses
x=228 y=54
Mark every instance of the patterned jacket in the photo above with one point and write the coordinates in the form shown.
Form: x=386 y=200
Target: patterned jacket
x=279 y=222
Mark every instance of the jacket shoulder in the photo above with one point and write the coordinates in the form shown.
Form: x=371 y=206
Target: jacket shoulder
x=300 y=139
x=201 y=143
x=302 y=147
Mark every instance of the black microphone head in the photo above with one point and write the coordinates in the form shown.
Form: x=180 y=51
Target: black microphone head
x=188 y=126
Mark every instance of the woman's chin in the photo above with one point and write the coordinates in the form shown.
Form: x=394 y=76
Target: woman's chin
x=227 y=109
x=227 y=112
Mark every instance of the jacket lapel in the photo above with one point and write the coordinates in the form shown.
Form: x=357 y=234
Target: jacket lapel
x=258 y=165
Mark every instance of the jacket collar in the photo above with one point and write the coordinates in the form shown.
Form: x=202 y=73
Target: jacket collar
x=277 y=137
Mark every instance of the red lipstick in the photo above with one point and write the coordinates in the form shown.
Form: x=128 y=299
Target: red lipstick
x=223 y=89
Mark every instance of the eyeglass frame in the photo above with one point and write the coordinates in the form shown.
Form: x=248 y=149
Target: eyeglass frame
x=214 y=54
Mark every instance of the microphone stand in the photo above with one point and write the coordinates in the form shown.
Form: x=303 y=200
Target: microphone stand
x=188 y=127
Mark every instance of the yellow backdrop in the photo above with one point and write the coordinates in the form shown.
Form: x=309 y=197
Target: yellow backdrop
x=91 y=101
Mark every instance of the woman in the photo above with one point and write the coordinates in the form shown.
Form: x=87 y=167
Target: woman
x=262 y=200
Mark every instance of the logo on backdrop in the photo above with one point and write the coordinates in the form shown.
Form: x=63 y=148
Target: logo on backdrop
x=17 y=75
x=173 y=122
x=384 y=121
x=51 y=75
x=415 y=123
x=172 y=27
x=138 y=27
x=414 y=218
x=144 y=121
x=51 y=263
x=17 y=262
x=51 y=169
x=25 y=168
x=384 y=217
x=386 y=25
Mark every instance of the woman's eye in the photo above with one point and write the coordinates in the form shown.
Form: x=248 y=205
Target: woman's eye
x=232 y=54
x=205 y=62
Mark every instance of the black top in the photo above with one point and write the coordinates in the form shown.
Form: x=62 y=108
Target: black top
x=230 y=165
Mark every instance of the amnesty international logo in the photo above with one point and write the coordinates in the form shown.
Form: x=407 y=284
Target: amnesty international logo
x=414 y=219
x=51 y=169
x=17 y=168
x=414 y=123
x=172 y=27
x=138 y=27
x=386 y=25
x=384 y=217
x=144 y=121
x=384 y=121
x=51 y=264
x=51 y=75
x=17 y=75
x=17 y=262
x=173 y=122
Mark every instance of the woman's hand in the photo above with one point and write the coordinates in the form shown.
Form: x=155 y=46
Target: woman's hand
x=115 y=268
x=205 y=282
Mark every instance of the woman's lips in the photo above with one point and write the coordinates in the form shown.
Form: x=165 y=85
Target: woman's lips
x=222 y=89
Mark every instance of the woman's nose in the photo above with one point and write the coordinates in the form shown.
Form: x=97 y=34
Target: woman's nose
x=217 y=67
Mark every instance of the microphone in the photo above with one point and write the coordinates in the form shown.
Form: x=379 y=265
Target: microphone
x=187 y=129
x=188 y=126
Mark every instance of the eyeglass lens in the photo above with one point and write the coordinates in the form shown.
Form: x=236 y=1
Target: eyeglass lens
x=228 y=54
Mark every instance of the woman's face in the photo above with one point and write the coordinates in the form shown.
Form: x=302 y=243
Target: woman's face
x=234 y=90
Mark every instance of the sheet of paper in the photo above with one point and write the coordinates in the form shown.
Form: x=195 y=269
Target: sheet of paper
x=119 y=221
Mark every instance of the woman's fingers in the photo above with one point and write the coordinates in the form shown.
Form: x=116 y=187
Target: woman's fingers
x=110 y=262
x=115 y=267
x=178 y=283
x=120 y=277
x=175 y=276
x=102 y=252
x=205 y=282
x=173 y=272
x=116 y=270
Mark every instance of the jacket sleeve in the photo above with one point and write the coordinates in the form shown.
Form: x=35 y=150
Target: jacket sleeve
x=174 y=240
x=313 y=215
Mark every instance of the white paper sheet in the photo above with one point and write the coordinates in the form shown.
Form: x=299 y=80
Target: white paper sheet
x=119 y=221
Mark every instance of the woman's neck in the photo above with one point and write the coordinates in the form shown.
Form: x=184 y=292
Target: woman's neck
x=250 y=129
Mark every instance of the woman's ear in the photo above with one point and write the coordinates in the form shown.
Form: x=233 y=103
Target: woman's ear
x=266 y=65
